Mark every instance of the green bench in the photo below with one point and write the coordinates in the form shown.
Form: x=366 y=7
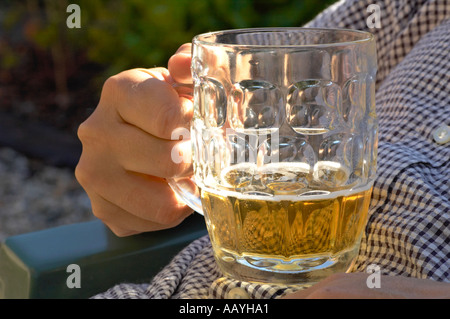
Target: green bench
x=83 y=259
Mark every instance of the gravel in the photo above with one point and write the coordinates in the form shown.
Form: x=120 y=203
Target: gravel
x=35 y=196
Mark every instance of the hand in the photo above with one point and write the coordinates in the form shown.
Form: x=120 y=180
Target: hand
x=127 y=148
x=354 y=286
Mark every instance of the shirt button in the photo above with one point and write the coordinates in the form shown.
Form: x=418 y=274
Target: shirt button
x=442 y=134
x=237 y=293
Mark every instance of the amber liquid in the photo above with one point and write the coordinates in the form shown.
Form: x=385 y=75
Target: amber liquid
x=284 y=233
x=286 y=228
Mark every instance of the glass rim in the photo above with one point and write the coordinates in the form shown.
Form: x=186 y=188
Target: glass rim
x=206 y=38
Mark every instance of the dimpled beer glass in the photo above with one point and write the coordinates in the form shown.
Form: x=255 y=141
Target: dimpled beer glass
x=284 y=139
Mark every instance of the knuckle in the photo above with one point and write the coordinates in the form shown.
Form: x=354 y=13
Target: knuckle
x=87 y=174
x=116 y=88
x=112 y=86
x=93 y=134
x=100 y=214
x=84 y=132
x=81 y=174
x=98 y=210
x=90 y=131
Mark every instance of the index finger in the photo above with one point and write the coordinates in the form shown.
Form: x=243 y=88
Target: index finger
x=145 y=98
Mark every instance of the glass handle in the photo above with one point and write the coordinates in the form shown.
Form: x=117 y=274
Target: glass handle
x=186 y=189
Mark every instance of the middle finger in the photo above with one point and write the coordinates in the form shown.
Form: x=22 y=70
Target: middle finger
x=140 y=152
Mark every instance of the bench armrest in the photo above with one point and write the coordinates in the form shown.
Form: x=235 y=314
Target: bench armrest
x=35 y=265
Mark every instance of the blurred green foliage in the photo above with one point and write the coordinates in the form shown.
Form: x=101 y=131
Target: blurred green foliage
x=124 y=34
x=133 y=33
x=54 y=74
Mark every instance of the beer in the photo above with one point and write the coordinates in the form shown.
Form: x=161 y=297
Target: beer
x=284 y=229
x=284 y=148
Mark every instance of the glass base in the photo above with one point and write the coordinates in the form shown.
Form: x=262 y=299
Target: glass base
x=299 y=272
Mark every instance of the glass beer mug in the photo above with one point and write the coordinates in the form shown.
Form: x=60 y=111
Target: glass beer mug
x=284 y=147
